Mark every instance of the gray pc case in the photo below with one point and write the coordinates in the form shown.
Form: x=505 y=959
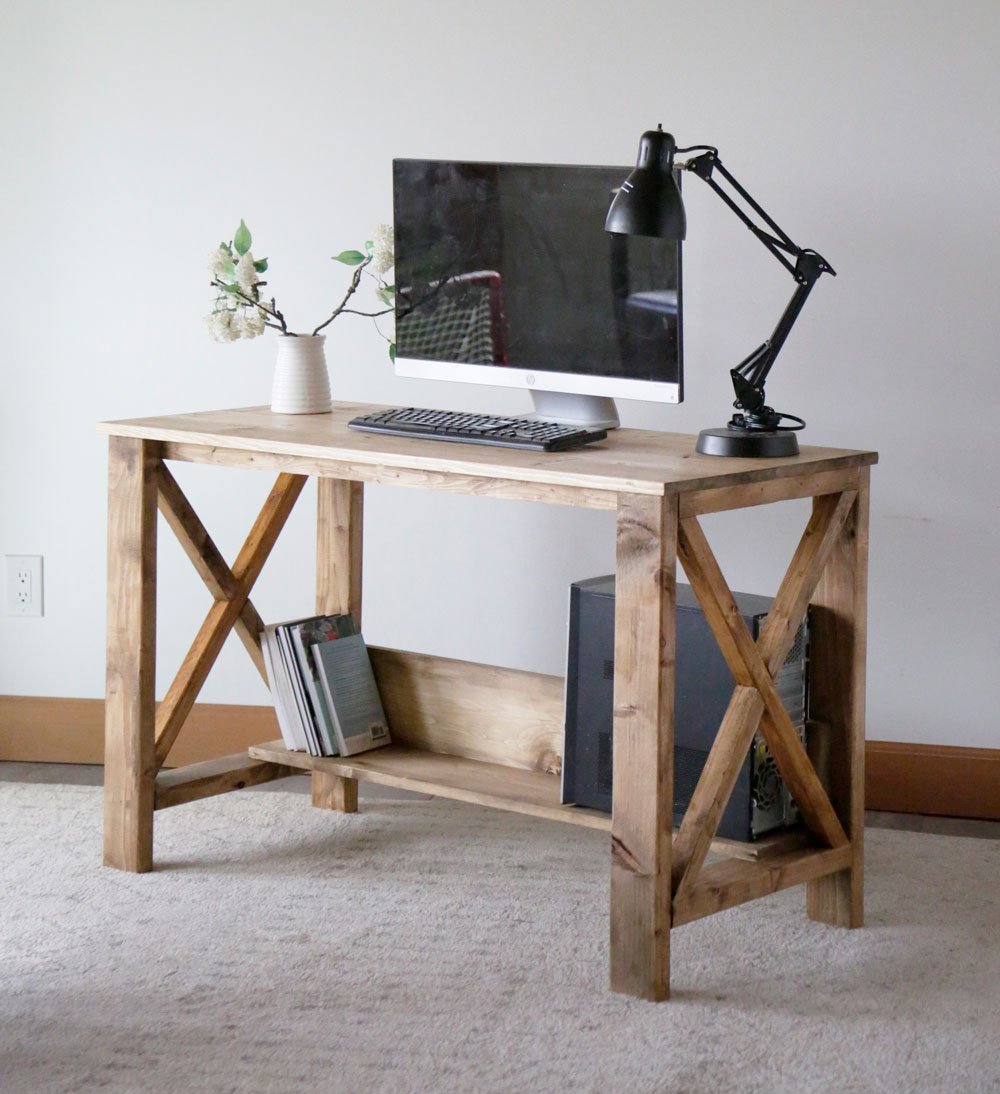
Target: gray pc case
x=760 y=802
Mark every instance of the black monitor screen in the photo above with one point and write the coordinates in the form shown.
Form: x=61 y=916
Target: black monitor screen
x=510 y=265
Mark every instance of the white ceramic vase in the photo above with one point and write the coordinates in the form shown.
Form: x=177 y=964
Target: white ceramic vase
x=301 y=382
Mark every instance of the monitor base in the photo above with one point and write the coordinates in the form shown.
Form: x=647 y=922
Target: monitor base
x=747 y=443
x=569 y=408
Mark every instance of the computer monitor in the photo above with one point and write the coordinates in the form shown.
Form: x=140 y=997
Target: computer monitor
x=505 y=276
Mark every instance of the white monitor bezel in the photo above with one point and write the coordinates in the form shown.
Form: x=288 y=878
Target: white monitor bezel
x=613 y=387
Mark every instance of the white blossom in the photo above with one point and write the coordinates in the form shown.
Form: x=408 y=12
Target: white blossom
x=218 y=261
x=250 y=322
x=382 y=256
x=220 y=325
x=246 y=275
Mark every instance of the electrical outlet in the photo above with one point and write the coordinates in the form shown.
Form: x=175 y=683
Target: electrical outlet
x=24 y=585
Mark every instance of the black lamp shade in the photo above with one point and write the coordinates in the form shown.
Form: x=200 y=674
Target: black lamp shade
x=649 y=202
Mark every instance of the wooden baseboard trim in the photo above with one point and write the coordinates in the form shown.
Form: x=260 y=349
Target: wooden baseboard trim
x=933 y=780
x=71 y=731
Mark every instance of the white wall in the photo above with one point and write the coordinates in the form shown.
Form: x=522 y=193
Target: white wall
x=136 y=135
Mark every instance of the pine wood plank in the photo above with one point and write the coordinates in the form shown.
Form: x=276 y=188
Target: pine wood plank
x=725 y=498
x=208 y=561
x=735 y=881
x=743 y=714
x=482 y=712
x=194 y=670
x=129 y=755
x=642 y=789
x=494 y=785
x=212 y=777
x=449 y=482
x=339 y=525
x=837 y=651
x=738 y=647
x=629 y=461
x=334 y=792
x=339 y=554
x=801 y=577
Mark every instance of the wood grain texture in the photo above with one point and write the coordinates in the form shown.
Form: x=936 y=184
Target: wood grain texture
x=837 y=651
x=493 y=785
x=336 y=792
x=480 y=712
x=725 y=498
x=420 y=479
x=339 y=532
x=339 y=554
x=221 y=617
x=219 y=776
x=629 y=461
x=642 y=777
x=208 y=561
x=726 y=884
x=129 y=756
x=744 y=660
x=746 y=706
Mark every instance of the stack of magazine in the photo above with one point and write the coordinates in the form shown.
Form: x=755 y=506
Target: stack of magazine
x=323 y=686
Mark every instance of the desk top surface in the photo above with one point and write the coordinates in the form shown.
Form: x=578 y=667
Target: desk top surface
x=631 y=460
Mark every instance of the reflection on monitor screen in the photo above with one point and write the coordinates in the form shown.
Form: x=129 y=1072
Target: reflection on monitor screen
x=506 y=276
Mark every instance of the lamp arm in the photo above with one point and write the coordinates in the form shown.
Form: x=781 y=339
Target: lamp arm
x=803 y=264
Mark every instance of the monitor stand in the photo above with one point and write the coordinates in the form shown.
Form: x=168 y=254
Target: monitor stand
x=586 y=411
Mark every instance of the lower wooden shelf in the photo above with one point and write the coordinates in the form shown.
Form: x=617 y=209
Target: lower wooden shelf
x=497 y=786
x=728 y=883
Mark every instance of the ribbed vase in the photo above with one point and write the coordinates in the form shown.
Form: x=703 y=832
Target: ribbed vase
x=301 y=382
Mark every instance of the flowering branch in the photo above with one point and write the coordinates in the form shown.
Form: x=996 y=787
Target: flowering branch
x=240 y=311
x=351 y=290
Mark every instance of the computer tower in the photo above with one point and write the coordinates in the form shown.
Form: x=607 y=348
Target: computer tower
x=760 y=802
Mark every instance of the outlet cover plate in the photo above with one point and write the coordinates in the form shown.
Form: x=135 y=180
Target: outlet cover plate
x=24 y=584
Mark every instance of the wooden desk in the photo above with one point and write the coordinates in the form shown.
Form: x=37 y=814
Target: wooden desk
x=494 y=736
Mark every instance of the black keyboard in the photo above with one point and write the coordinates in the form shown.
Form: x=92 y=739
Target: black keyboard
x=453 y=425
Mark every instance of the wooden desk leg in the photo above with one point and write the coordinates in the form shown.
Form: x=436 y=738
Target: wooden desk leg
x=642 y=814
x=339 y=525
x=129 y=757
x=838 y=624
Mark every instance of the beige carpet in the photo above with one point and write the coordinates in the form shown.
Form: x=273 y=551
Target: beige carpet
x=439 y=947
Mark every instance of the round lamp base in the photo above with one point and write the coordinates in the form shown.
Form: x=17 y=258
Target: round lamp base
x=747 y=443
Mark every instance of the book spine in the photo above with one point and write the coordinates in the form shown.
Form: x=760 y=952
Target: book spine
x=276 y=682
x=300 y=705
x=317 y=701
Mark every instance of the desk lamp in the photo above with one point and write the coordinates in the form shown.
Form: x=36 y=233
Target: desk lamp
x=649 y=204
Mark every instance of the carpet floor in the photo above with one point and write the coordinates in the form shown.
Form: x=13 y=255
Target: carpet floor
x=433 y=946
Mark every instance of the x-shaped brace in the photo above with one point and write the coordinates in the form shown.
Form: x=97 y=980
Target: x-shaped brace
x=230 y=589
x=755 y=701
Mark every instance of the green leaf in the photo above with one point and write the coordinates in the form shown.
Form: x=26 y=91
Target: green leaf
x=349 y=258
x=392 y=352
x=242 y=239
x=231 y=288
x=260 y=265
x=369 y=247
x=229 y=269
